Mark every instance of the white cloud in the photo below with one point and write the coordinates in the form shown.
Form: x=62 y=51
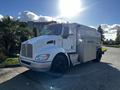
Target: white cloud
x=110 y=31
x=1 y=16
x=11 y=17
x=30 y=16
x=26 y=16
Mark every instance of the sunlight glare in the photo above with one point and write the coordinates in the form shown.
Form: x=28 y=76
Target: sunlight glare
x=70 y=8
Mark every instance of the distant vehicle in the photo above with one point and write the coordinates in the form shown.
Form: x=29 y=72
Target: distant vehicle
x=60 y=46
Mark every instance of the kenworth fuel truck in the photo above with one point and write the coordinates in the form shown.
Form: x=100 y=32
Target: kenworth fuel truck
x=61 y=46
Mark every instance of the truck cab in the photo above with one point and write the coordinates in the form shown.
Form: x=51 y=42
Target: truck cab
x=59 y=46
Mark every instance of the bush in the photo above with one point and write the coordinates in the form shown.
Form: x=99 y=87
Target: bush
x=114 y=46
x=104 y=49
x=11 y=61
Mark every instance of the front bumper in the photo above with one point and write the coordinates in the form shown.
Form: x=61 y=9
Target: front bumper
x=36 y=66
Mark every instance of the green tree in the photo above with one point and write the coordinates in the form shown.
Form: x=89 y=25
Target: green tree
x=118 y=39
x=100 y=30
x=12 y=33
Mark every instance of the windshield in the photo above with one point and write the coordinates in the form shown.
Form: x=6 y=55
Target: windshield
x=55 y=29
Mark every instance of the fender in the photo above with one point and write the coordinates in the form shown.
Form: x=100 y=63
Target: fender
x=52 y=50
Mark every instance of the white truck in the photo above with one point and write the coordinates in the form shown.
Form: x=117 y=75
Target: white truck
x=60 y=46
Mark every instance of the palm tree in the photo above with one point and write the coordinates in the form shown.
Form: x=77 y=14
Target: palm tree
x=12 y=33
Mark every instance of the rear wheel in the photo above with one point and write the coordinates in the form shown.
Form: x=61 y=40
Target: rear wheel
x=98 y=55
x=59 y=64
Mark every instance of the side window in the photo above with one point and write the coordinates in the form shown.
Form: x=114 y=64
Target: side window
x=66 y=30
x=65 y=33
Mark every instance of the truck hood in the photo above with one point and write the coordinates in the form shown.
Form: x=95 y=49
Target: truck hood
x=42 y=41
x=42 y=38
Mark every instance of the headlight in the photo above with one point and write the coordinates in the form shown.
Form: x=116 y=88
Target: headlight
x=42 y=57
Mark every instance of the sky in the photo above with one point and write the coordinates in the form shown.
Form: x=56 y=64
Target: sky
x=96 y=11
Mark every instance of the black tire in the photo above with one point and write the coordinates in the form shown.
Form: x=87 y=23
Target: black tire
x=60 y=64
x=98 y=55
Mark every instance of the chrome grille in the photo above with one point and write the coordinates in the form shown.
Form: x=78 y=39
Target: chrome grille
x=23 y=50
x=27 y=50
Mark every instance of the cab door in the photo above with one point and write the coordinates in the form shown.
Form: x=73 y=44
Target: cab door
x=69 y=39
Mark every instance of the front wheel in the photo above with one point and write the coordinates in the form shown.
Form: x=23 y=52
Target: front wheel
x=59 y=64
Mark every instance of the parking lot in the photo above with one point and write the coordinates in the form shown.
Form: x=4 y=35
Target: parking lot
x=89 y=76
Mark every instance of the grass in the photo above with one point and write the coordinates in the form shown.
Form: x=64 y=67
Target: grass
x=10 y=61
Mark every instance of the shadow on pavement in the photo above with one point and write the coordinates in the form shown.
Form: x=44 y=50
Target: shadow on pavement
x=89 y=76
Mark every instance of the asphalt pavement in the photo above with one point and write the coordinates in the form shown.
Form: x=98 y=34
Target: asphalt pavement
x=89 y=76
